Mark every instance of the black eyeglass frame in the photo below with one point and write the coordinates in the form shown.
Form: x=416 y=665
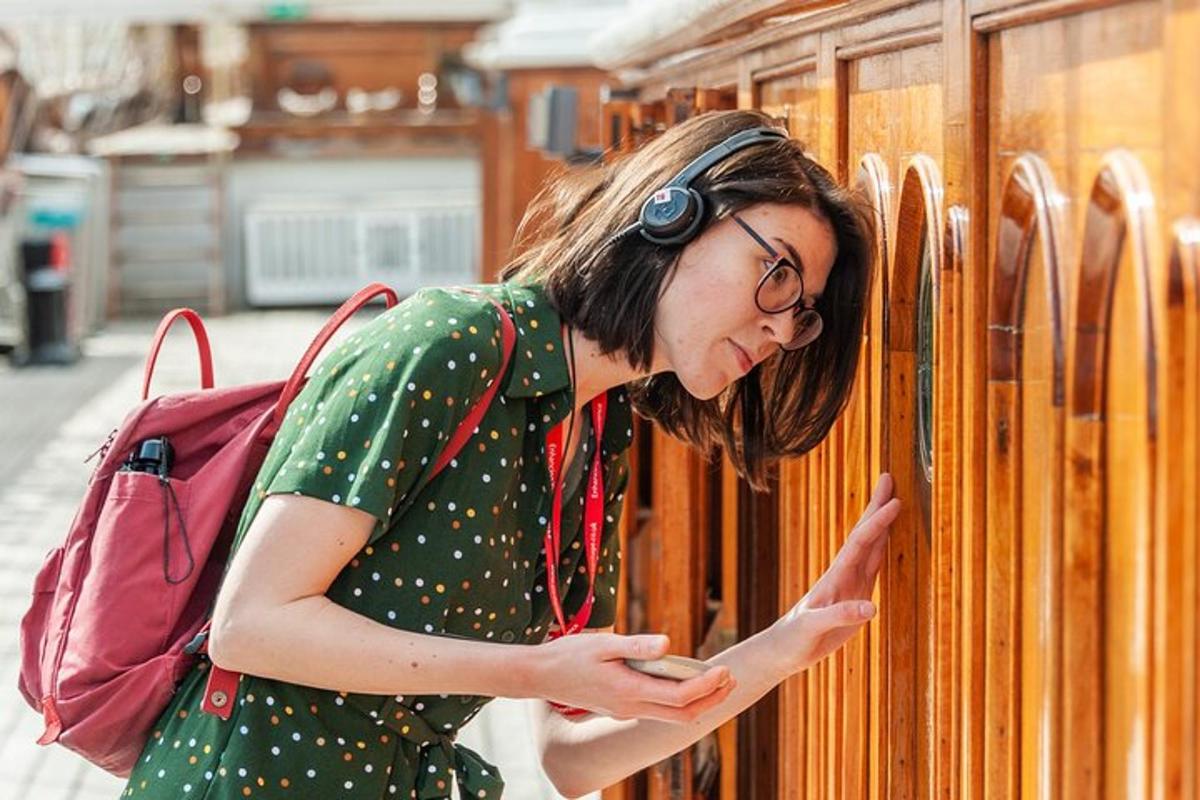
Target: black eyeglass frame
x=781 y=261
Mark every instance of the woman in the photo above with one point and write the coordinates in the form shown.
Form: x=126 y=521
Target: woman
x=373 y=608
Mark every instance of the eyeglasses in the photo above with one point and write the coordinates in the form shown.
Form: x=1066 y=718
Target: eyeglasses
x=781 y=289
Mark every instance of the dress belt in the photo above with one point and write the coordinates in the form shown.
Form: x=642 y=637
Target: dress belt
x=440 y=756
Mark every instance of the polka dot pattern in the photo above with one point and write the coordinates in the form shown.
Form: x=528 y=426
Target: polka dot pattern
x=458 y=554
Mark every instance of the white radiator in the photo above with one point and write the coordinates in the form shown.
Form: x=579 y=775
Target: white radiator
x=324 y=250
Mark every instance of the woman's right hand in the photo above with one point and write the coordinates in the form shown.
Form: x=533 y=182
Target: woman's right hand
x=588 y=671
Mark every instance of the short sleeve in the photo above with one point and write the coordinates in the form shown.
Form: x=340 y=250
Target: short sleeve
x=371 y=422
x=608 y=573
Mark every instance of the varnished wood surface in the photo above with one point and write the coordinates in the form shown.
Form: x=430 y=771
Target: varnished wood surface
x=1039 y=627
x=1025 y=385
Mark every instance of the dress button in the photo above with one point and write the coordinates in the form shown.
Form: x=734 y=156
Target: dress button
x=507 y=636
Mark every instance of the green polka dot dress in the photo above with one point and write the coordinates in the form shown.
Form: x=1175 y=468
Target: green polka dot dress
x=460 y=554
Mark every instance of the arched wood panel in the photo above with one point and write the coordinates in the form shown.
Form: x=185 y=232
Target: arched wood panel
x=852 y=488
x=954 y=629
x=1177 y=557
x=872 y=182
x=907 y=578
x=1110 y=526
x=1026 y=388
x=942 y=474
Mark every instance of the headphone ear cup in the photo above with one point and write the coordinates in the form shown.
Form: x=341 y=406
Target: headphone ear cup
x=697 y=217
x=671 y=215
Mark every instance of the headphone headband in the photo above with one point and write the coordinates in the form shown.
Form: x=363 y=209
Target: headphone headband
x=722 y=151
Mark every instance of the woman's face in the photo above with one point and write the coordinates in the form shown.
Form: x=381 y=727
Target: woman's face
x=707 y=311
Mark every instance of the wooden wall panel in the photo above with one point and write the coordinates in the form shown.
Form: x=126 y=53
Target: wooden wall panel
x=794 y=512
x=1129 y=535
x=676 y=576
x=1040 y=424
x=1115 y=324
x=1177 y=560
x=1026 y=387
x=882 y=87
x=873 y=183
x=907 y=579
x=852 y=764
x=1182 y=485
x=887 y=88
x=1071 y=88
x=727 y=616
x=758 y=536
x=1039 y=627
x=793 y=99
x=952 y=701
x=817 y=708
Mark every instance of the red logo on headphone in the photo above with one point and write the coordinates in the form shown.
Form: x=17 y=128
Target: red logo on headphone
x=662 y=196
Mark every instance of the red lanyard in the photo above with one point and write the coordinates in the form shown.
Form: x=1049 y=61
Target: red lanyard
x=593 y=520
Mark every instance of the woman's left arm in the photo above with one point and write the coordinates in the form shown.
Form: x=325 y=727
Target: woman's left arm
x=581 y=755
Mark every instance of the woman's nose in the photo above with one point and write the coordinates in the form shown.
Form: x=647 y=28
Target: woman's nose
x=779 y=328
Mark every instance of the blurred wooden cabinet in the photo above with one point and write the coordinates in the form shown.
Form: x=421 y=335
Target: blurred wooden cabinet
x=1031 y=377
x=167 y=235
x=364 y=56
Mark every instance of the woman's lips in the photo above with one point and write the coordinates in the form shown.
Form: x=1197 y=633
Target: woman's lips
x=744 y=360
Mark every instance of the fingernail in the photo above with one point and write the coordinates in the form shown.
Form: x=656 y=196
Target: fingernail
x=867 y=610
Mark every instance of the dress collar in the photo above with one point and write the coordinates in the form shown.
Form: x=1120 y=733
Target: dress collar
x=539 y=364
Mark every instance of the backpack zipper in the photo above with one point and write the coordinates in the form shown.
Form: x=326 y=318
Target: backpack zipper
x=101 y=451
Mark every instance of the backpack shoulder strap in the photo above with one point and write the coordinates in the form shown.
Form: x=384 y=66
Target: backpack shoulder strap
x=467 y=427
x=300 y=373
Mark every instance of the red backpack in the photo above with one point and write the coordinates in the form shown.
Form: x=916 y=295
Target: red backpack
x=117 y=609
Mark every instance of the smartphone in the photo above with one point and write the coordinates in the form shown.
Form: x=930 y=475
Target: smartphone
x=676 y=668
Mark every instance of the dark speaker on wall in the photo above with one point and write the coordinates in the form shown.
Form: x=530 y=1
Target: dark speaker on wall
x=551 y=120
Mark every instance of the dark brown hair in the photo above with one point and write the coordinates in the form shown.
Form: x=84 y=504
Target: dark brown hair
x=608 y=287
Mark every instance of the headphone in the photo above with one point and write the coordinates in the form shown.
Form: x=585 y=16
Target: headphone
x=672 y=214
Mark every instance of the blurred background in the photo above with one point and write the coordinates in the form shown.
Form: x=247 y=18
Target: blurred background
x=1029 y=372
x=253 y=153
x=259 y=162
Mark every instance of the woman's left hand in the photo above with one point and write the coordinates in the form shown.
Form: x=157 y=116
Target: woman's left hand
x=840 y=601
